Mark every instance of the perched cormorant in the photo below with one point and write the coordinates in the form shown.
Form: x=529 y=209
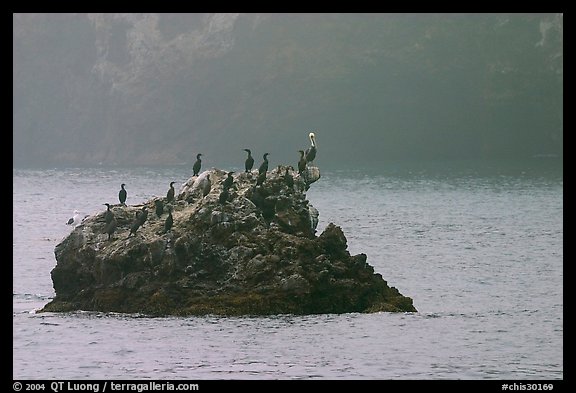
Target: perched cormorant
x=224 y=195
x=75 y=219
x=288 y=179
x=254 y=194
x=142 y=215
x=250 y=194
x=122 y=195
x=311 y=151
x=228 y=181
x=264 y=165
x=159 y=207
x=108 y=216
x=169 y=220
x=206 y=186
x=140 y=218
x=110 y=228
x=197 y=165
x=170 y=193
x=261 y=178
x=249 y=163
x=135 y=225
x=301 y=162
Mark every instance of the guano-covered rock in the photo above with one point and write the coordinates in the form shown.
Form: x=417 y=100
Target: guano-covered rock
x=253 y=252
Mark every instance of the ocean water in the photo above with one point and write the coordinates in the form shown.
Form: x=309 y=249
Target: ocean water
x=478 y=246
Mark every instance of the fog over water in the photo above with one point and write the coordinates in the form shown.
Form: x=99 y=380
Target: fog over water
x=156 y=89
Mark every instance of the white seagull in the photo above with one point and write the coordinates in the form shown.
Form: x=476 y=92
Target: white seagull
x=75 y=220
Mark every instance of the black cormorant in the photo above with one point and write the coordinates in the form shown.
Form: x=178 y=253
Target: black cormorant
x=224 y=195
x=288 y=179
x=110 y=228
x=159 y=207
x=206 y=186
x=311 y=151
x=142 y=215
x=122 y=195
x=255 y=196
x=108 y=216
x=249 y=163
x=169 y=220
x=140 y=218
x=301 y=162
x=228 y=181
x=264 y=165
x=261 y=178
x=170 y=193
x=197 y=164
x=135 y=225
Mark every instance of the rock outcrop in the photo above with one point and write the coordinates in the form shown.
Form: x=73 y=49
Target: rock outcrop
x=253 y=251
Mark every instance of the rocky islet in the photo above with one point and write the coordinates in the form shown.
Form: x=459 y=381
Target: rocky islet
x=255 y=252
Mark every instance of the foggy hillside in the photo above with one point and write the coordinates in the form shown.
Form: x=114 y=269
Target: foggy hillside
x=151 y=89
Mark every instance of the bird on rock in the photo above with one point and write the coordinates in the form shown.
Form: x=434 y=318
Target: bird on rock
x=228 y=181
x=301 y=162
x=75 y=219
x=311 y=151
x=197 y=164
x=169 y=220
x=224 y=195
x=108 y=216
x=158 y=207
x=122 y=194
x=139 y=219
x=288 y=179
x=249 y=163
x=264 y=166
x=110 y=227
x=170 y=193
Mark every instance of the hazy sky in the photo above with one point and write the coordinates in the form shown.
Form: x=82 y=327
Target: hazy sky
x=135 y=89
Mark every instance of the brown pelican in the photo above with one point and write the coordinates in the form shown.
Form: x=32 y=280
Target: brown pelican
x=311 y=151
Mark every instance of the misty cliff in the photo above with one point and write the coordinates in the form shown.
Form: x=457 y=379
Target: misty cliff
x=134 y=89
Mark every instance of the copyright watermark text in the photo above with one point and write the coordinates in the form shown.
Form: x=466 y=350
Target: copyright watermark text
x=527 y=386
x=103 y=386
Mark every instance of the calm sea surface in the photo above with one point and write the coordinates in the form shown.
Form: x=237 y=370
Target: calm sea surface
x=479 y=248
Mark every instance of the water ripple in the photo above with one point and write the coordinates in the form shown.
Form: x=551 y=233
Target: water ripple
x=480 y=253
